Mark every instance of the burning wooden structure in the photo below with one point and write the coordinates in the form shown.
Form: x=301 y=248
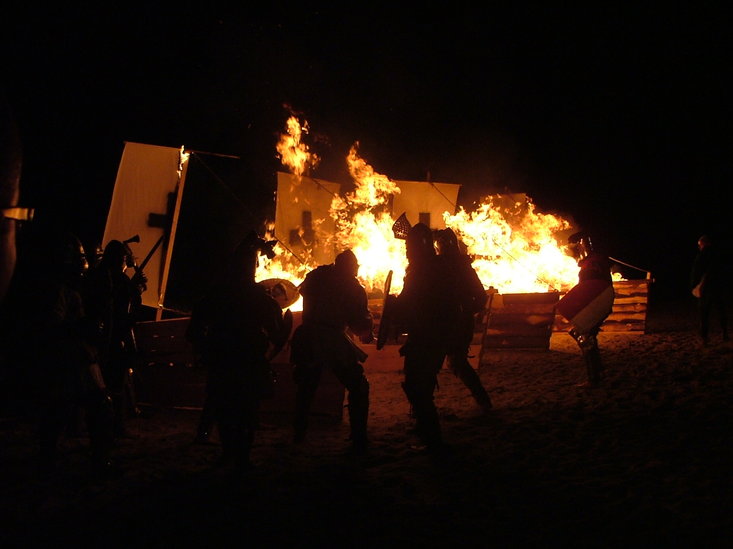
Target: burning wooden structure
x=174 y=197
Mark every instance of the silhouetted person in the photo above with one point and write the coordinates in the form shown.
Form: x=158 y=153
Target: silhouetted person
x=334 y=303
x=236 y=327
x=285 y=299
x=429 y=308
x=10 y=169
x=473 y=299
x=589 y=303
x=52 y=342
x=113 y=300
x=709 y=277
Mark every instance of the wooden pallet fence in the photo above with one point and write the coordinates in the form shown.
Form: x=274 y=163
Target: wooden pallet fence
x=519 y=321
x=629 y=308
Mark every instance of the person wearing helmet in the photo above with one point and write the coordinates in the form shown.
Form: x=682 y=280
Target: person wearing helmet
x=114 y=301
x=234 y=327
x=53 y=345
x=587 y=305
x=708 y=285
x=334 y=304
x=473 y=299
x=429 y=309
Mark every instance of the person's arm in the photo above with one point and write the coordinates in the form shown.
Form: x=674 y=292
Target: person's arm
x=361 y=321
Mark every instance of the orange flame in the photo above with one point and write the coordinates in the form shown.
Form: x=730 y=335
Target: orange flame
x=516 y=249
x=293 y=152
x=364 y=224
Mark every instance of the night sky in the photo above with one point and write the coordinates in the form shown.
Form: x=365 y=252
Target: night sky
x=618 y=118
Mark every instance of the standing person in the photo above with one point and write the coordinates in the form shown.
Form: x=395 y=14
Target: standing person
x=334 y=302
x=237 y=327
x=429 y=309
x=113 y=300
x=708 y=283
x=10 y=168
x=587 y=305
x=52 y=342
x=472 y=302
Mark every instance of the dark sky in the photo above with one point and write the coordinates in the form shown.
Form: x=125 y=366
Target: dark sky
x=618 y=118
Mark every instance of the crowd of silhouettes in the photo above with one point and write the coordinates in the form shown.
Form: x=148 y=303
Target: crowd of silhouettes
x=49 y=341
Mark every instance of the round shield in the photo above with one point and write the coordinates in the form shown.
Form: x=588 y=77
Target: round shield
x=283 y=291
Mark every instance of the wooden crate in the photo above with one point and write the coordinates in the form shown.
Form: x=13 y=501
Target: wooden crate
x=167 y=376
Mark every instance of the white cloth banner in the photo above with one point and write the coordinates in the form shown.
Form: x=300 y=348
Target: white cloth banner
x=418 y=197
x=145 y=177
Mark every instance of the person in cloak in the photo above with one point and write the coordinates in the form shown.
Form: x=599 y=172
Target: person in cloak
x=236 y=328
x=473 y=299
x=334 y=303
x=587 y=305
x=708 y=283
x=429 y=309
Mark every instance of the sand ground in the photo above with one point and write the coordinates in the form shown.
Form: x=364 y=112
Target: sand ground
x=643 y=461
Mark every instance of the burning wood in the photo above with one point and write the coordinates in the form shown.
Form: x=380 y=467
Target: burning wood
x=516 y=249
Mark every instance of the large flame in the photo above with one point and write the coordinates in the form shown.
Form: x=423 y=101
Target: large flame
x=364 y=224
x=515 y=248
x=293 y=153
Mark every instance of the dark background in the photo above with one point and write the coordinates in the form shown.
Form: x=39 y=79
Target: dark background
x=617 y=117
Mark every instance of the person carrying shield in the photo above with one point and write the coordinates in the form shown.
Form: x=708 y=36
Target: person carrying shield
x=587 y=305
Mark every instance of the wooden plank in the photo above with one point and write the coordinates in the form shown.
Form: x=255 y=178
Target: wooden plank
x=519 y=321
x=164 y=342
